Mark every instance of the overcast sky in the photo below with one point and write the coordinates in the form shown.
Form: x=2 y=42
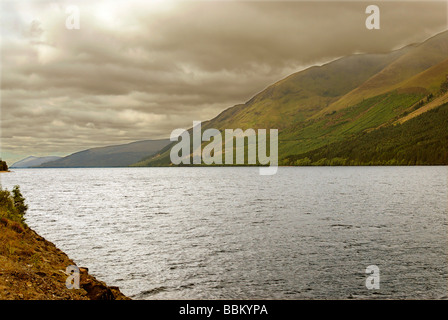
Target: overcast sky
x=136 y=70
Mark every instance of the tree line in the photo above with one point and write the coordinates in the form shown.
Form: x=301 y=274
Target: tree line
x=422 y=140
x=3 y=166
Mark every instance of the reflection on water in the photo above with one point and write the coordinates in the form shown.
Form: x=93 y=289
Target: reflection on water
x=228 y=233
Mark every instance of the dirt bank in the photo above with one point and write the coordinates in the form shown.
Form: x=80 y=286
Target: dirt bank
x=32 y=268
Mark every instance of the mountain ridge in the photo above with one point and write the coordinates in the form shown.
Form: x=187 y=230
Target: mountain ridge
x=404 y=68
x=335 y=101
x=32 y=161
x=121 y=155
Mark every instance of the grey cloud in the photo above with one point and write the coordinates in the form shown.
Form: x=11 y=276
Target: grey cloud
x=137 y=70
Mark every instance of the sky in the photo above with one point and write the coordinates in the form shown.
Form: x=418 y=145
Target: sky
x=136 y=70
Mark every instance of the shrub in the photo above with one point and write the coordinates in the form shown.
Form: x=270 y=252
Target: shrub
x=19 y=202
x=4 y=221
x=17 y=227
x=12 y=206
x=3 y=166
x=303 y=162
x=444 y=86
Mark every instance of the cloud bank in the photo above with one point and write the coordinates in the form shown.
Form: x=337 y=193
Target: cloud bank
x=136 y=70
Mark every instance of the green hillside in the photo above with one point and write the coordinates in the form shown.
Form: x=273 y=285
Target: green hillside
x=340 y=101
x=422 y=140
x=339 y=125
x=422 y=57
x=303 y=94
x=430 y=78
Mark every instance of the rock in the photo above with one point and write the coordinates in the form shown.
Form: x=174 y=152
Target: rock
x=20 y=279
x=98 y=291
x=83 y=269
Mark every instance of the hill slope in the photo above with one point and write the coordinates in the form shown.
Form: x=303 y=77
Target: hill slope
x=111 y=156
x=305 y=93
x=420 y=141
x=396 y=75
x=32 y=268
x=337 y=101
x=33 y=161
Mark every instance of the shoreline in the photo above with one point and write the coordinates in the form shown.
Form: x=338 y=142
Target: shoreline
x=33 y=268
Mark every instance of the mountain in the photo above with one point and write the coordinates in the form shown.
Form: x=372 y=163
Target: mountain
x=398 y=74
x=33 y=161
x=338 y=101
x=110 y=156
x=419 y=141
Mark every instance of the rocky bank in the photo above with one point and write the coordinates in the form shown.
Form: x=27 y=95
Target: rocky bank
x=32 y=268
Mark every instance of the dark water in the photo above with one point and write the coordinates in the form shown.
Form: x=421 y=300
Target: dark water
x=228 y=233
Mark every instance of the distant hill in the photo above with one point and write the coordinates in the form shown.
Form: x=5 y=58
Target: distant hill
x=33 y=161
x=341 y=100
x=110 y=156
